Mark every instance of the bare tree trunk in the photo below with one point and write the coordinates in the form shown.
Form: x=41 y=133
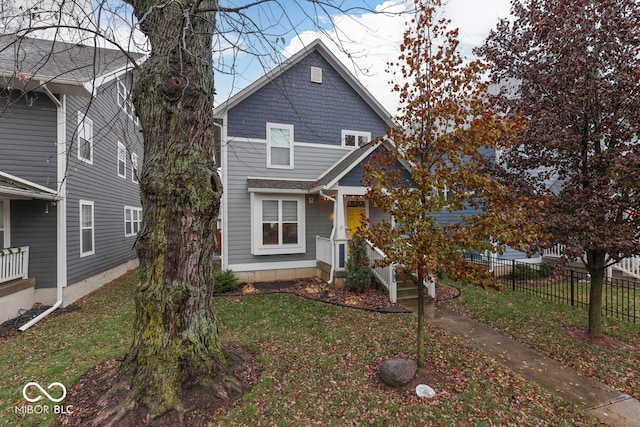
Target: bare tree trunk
x=596 y=268
x=420 y=350
x=176 y=335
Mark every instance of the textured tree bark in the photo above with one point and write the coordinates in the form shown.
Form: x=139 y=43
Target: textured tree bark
x=176 y=338
x=596 y=268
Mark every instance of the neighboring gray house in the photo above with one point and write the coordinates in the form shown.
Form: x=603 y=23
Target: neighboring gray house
x=292 y=147
x=70 y=147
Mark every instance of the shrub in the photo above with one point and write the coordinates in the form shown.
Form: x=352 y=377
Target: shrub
x=358 y=271
x=225 y=281
x=524 y=272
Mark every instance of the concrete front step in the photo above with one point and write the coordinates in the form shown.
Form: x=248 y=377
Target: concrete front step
x=406 y=291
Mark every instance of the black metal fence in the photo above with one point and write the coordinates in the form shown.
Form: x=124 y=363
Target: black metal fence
x=621 y=297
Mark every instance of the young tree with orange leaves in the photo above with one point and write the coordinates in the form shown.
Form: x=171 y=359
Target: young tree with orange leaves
x=445 y=137
x=571 y=68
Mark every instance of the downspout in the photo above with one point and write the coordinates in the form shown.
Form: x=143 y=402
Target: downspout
x=332 y=236
x=61 y=211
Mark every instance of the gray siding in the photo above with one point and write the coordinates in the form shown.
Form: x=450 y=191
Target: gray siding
x=249 y=159
x=318 y=112
x=99 y=182
x=32 y=226
x=28 y=137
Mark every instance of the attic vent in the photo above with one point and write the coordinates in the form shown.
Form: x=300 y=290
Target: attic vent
x=316 y=75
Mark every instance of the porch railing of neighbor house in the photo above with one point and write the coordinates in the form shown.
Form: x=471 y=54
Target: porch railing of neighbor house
x=14 y=263
x=385 y=275
x=621 y=297
x=629 y=266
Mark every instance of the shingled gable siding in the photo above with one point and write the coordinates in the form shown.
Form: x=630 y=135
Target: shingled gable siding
x=28 y=140
x=101 y=184
x=318 y=112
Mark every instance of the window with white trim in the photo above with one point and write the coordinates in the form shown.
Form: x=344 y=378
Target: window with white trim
x=279 y=146
x=132 y=220
x=87 y=235
x=85 y=138
x=124 y=99
x=354 y=138
x=122 y=160
x=134 y=167
x=278 y=225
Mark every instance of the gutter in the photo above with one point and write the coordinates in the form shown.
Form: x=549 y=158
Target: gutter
x=332 y=237
x=61 y=211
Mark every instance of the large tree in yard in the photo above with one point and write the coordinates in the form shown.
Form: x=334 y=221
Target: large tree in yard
x=572 y=68
x=444 y=138
x=175 y=339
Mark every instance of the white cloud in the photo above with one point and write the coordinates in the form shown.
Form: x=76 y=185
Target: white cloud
x=367 y=42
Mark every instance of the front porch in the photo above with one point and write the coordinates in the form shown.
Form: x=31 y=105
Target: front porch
x=331 y=261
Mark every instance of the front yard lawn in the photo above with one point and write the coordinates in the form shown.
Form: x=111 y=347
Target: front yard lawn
x=554 y=329
x=319 y=364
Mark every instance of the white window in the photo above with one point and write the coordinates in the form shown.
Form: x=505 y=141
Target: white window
x=278 y=225
x=122 y=160
x=279 y=146
x=85 y=138
x=124 y=100
x=134 y=167
x=87 y=238
x=132 y=220
x=352 y=138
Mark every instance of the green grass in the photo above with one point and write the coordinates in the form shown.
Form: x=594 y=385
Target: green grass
x=317 y=359
x=544 y=324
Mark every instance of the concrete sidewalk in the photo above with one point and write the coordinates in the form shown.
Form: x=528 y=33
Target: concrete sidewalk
x=609 y=405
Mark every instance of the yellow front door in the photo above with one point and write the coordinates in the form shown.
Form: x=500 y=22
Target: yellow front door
x=354 y=219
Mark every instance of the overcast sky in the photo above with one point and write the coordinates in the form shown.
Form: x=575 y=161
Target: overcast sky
x=372 y=40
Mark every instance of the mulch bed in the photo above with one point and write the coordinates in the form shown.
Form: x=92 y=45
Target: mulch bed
x=373 y=299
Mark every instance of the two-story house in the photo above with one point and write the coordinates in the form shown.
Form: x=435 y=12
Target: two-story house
x=70 y=146
x=292 y=145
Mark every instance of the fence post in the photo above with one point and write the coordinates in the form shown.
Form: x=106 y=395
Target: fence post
x=513 y=274
x=572 y=290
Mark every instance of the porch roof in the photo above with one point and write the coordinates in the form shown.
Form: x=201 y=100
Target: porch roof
x=278 y=185
x=17 y=188
x=331 y=177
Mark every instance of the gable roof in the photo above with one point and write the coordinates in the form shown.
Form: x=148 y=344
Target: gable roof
x=321 y=48
x=73 y=69
x=344 y=166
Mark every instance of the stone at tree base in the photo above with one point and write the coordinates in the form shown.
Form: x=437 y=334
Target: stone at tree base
x=397 y=372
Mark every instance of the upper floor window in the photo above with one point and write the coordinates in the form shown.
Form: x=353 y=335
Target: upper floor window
x=124 y=99
x=122 y=160
x=134 y=167
x=85 y=138
x=353 y=138
x=279 y=146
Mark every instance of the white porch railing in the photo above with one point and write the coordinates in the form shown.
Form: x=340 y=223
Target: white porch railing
x=331 y=252
x=323 y=250
x=14 y=263
x=629 y=266
x=386 y=275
